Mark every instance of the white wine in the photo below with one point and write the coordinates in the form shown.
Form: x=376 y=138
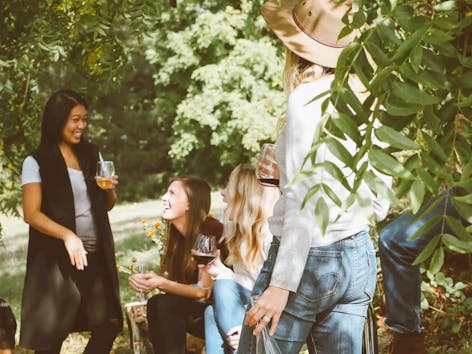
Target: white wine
x=104 y=182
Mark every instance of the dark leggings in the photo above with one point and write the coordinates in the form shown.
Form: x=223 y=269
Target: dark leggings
x=100 y=342
x=170 y=317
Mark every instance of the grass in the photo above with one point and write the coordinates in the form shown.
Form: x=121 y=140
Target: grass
x=130 y=241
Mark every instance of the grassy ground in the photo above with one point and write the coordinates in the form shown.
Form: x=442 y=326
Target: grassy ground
x=130 y=241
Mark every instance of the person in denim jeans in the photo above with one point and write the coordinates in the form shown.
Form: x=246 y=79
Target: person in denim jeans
x=401 y=279
x=314 y=277
x=247 y=236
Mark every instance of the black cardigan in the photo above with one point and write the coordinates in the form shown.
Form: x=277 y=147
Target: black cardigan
x=50 y=297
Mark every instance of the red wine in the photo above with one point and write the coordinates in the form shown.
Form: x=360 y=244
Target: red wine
x=203 y=259
x=269 y=182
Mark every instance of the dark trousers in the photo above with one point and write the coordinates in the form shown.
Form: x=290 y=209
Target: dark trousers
x=95 y=313
x=170 y=317
x=100 y=342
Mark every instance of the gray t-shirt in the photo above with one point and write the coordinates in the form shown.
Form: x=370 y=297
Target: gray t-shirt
x=85 y=227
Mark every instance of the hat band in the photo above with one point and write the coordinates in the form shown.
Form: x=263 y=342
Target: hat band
x=312 y=36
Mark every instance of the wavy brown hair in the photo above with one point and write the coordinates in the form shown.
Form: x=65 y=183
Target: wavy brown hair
x=177 y=263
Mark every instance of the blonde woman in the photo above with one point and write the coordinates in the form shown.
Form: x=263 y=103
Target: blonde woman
x=248 y=239
x=313 y=279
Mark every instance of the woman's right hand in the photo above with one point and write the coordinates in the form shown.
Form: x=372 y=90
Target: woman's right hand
x=76 y=251
x=145 y=282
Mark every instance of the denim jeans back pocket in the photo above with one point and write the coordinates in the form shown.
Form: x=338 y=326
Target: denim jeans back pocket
x=319 y=285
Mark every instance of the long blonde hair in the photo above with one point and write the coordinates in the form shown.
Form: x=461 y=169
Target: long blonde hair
x=298 y=70
x=249 y=205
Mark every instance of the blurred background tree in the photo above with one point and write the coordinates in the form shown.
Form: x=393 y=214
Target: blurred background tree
x=174 y=87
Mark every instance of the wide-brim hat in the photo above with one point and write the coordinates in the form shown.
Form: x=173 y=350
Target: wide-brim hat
x=309 y=28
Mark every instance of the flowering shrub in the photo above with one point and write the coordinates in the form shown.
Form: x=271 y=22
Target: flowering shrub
x=156 y=233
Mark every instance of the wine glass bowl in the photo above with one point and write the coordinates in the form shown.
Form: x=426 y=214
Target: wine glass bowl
x=205 y=248
x=105 y=173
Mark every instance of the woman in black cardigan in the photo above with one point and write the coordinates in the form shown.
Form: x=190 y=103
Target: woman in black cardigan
x=71 y=283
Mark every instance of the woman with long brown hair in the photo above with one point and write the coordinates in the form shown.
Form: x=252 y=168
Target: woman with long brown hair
x=186 y=206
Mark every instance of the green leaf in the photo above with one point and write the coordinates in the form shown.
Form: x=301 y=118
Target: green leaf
x=322 y=215
x=338 y=150
x=330 y=193
x=395 y=139
x=417 y=58
x=346 y=124
x=465 y=102
x=411 y=42
x=434 y=147
x=311 y=192
x=427 y=251
x=464 y=210
x=334 y=171
x=388 y=165
x=380 y=77
x=429 y=182
x=434 y=167
x=412 y=94
x=433 y=120
x=459 y=230
x=378 y=186
x=417 y=193
x=401 y=109
x=427 y=226
x=437 y=261
x=467 y=199
x=377 y=54
x=456 y=245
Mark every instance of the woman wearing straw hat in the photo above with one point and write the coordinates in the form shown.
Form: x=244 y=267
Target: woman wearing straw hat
x=313 y=279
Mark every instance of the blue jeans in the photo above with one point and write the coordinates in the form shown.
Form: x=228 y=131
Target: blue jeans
x=229 y=307
x=332 y=298
x=401 y=279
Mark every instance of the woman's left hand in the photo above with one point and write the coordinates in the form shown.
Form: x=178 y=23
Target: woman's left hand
x=268 y=308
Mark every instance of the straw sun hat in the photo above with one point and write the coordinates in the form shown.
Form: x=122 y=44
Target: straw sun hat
x=309 y=28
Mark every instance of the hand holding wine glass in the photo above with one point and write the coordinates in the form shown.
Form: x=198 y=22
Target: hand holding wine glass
x=204 y=252
x=267 y=171
x=105 y=177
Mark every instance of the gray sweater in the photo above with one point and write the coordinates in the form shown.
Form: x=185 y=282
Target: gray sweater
x=296 y=228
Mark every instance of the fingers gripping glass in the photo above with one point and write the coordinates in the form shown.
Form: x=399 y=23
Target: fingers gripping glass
x=105 y=173
x=204 y=252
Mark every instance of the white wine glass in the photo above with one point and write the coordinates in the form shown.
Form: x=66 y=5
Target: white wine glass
x=141 y=269
x=105 y=173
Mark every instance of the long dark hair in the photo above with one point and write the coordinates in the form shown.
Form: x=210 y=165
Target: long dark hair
x=178 y=264
x=55 y=116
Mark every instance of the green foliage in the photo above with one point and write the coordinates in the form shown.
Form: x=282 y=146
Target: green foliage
x=175 y=87
x=414 y=58
x=218 y=67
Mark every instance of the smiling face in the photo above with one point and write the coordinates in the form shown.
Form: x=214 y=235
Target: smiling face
x=75 y=125
x=176 y=203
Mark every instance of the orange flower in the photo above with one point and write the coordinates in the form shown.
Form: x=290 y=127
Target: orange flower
x=143 y=221
x=151 y=234
x=157 y=224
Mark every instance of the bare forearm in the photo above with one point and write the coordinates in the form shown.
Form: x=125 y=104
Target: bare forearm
x=111 y=198
x=42 y=223
x=185 y=290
